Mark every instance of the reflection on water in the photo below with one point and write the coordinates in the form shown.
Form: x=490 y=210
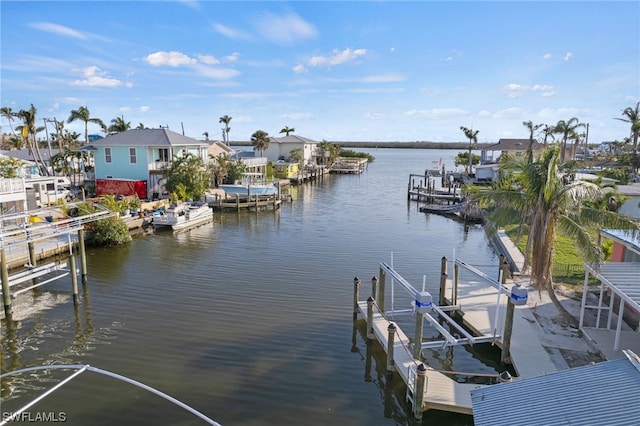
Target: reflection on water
x=249 y=319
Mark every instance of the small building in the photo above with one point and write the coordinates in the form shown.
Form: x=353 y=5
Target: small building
x=280 y=149
x=284 y=169
x=626 y=247
x=143 y=154
x=516 y=148
x=631 y=205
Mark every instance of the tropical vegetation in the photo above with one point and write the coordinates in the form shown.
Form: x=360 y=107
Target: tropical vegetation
x=543 y=196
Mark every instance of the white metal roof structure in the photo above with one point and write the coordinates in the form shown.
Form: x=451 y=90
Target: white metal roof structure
x=569 y=397
x=620 y=279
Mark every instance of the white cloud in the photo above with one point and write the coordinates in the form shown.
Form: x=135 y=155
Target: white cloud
x=93 y=77
x=567 y=56
x=193 y=4
x=299 y=69
x=384 y=78
x=231 y=33
x=172 y=59
x=58 y=29
x=287 y=29
x=298 y=116
x=337 y=58
x=547 y=56
x=374 y=116
x=216 y=73
x=514 y=90
x=509 y=113
x=144 y=108
x=437 y=113
x=231 y=58
x=208 y=59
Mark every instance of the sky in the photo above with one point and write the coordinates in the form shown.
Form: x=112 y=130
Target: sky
x=332 y=70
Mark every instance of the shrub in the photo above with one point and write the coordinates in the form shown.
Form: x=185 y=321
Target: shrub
x=109 y=232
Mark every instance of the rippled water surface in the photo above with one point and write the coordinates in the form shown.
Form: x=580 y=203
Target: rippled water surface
x=247 y=319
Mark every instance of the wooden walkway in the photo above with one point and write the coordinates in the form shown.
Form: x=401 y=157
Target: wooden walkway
x=442 y=393
x=478 y=301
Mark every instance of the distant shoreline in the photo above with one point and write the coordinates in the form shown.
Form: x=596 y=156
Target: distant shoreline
x=407 y=145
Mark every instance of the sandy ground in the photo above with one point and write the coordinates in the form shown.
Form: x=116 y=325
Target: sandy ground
x=565 y=343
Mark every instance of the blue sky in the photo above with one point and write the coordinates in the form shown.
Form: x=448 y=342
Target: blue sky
x=332 y=70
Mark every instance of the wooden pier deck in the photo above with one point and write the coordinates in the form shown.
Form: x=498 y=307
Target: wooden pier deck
x=442 y=392
x=479 y=304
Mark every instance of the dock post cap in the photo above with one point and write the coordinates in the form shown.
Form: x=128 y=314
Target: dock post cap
x=422 y=370
x=356 y=280
x=374 y=280
x=391 y=328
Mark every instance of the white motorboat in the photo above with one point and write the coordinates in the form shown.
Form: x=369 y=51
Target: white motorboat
x=183 y=216
x=250 y=184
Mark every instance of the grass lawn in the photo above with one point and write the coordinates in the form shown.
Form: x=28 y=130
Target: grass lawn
x=567 y=260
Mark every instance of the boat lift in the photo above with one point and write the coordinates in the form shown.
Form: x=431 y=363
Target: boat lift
x=422 y=303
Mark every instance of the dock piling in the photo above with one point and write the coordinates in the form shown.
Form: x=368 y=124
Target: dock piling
x=420 y=386
x=74 y=279
x=370 y=303
x=6 y=295
x=381 y=290
x=83 y=254
x=417 y=344
x=391 y=329
x=443 y=282
x=356 y=291
x=374 y=287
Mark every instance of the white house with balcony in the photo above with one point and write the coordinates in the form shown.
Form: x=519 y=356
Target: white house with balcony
x=280 y=148
x=142 y=154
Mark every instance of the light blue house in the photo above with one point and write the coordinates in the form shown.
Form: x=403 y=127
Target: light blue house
x=142 y=154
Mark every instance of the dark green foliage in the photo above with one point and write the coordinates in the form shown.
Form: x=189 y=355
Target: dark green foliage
x=109 y=232
x=348 y=153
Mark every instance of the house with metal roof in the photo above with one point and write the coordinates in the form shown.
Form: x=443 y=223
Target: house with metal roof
x=605 y=393
x=618 y=296
x=280 y=148
x=142 y=155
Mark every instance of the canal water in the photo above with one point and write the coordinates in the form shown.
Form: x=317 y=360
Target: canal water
x=249 y=319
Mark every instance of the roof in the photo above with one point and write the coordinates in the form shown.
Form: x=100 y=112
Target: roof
x=292 y=139
x=628 y=238
x=513 y=145
x=589 y=395
x=148 y=137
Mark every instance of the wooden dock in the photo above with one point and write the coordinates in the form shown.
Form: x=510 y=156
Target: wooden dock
x=238 y=202
x=442 y=393
x=490 y=312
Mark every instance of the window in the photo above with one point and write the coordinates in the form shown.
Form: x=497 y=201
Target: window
x=163 y=155
x=107 y=155
x=132 y=156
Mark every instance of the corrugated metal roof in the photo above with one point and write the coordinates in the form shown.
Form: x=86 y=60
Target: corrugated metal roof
x=607 y=393
x=148 y=137
x=623 y=236
x=623 y=278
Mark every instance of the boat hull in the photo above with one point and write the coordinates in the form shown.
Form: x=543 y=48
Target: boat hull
x=246 y=190
x=184 y=216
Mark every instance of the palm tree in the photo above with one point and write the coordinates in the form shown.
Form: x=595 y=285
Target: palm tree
x=9 y=115
x=29 y=131
x=84 y=115
x=532 y=129
x=119 y=125
x=140 y=126
x=552 y=203
x=206 y=136
x=473 y=139
x=287 y=130
x=633 y=117
x=225 y=119
x=568 y=130
x=547 y=131
x=260 y=141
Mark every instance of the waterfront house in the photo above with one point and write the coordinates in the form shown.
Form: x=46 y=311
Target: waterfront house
x=516 y=148
x=631 y=205
x=141 y=155
x=280 y=149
